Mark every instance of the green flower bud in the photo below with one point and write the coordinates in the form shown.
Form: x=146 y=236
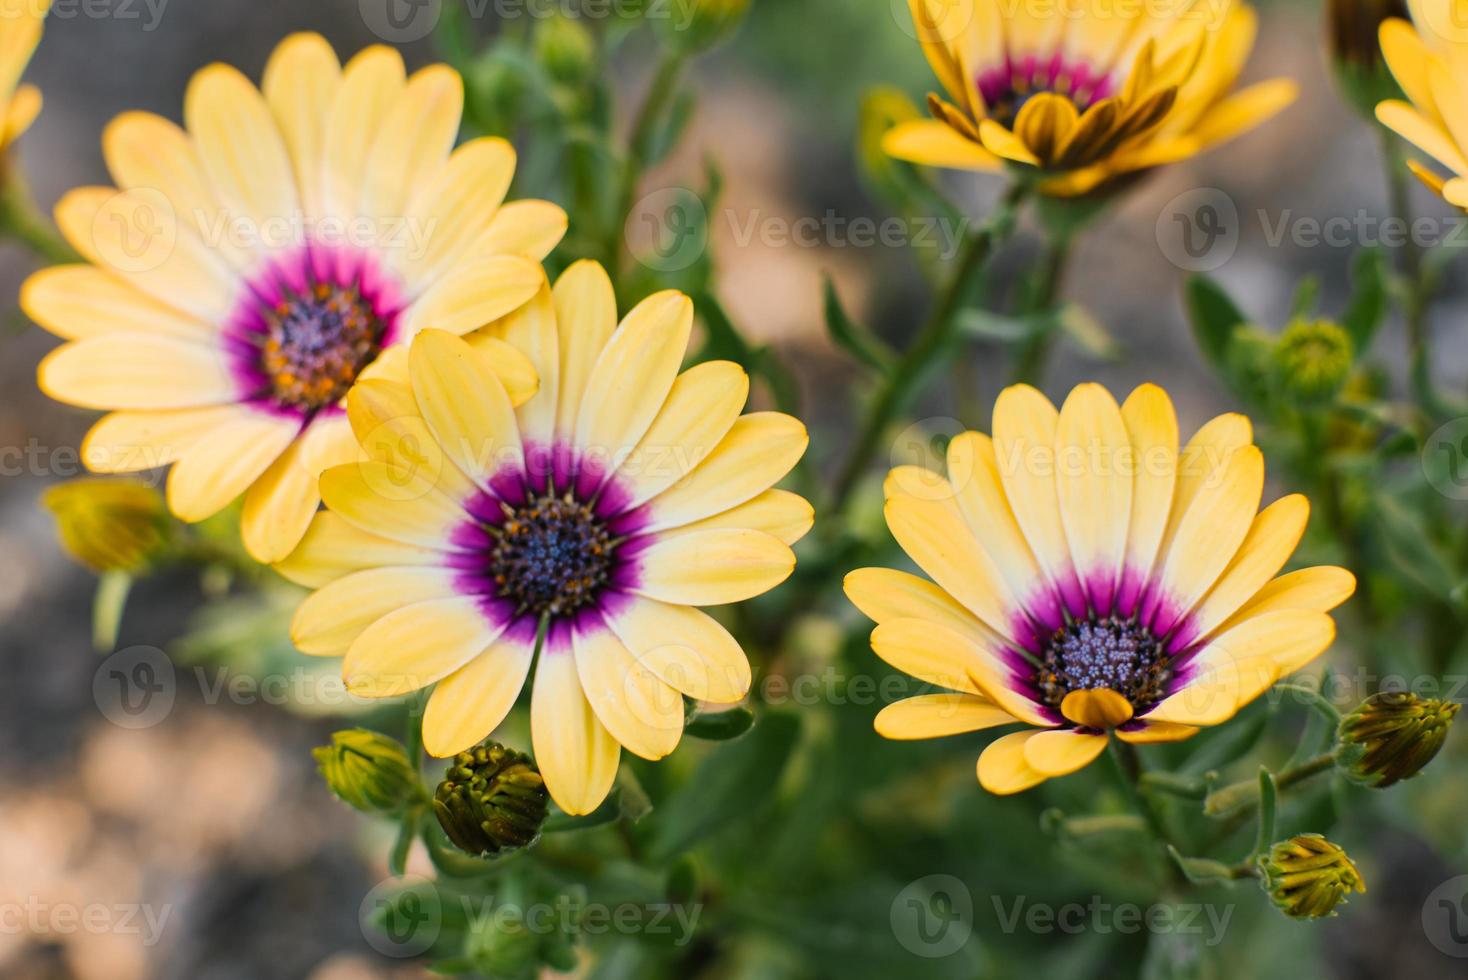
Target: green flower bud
x=110 y=525
x=492 y=799
x=1392 y=736
x=367 y=770
x=1314 y=358
x=503 y=947
x=1307 y=876
x=566 y=48
x=699 y=24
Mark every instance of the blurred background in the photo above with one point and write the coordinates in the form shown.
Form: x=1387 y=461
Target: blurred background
x=213 y=820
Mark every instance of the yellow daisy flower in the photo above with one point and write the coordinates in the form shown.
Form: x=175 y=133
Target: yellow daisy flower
x=1430 y=63
x=1083 y=91
x=1090 y=579
x=247 y=270
x=20 y=32
x=591 y=523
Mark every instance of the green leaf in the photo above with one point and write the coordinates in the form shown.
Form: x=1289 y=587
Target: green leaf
x=107 y=607
x=1268 y=794
x=1412 y=548
x=984 y=325
x=1214 y=317
x=1367 y=308
x=1307 y=298
x=1201 y=871
x=852 y=337
x=728 y=786
x=723 y=726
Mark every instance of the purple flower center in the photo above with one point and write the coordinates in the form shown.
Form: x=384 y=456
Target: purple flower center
x=552 y=556
x=1118 y=655
x=1006 y=88
x=316 y=344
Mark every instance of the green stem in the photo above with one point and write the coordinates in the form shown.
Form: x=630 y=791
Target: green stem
x=1415 y=277
x=22 y=221
x=927 y=347
x=1034 y=355
x=1129 y=765
x=639 y=147
x=1243 y=796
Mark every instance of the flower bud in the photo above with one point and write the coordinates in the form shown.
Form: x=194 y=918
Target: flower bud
x=492 y=799
x=566 y=48
x=699 y=24
x=1314 y=358
x=1307 y=876
x=1355 y=27
x=367 y=770
x=1392 y=736
x=109 y=525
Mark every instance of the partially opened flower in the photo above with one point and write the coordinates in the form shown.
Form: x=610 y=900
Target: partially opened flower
x=246 y=271
x=1426 y=57
x=20 y=32
x=1083 y=91
x=589 y=525
x=1090 y=579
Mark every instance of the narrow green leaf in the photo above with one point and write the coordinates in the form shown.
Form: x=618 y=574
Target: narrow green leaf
x=1214 y=317
x=1267 y=800
x=1307 y=298
x=1367 y=308
x=722 y=726
x=1201 y=871
x=853 y=337
x=1088 y=332
x=107 y=607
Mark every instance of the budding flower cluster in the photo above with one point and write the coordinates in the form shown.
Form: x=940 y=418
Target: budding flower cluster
x=367 y=770
x=1307 y=876
x=1393 y=735
x=492 y=799
x=109 y=525
x=1314 y=358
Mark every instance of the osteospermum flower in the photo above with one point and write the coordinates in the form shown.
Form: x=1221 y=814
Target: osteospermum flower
x=1084 y=91
x=1427 y=58
x=1090 y=579
x=20 y=32
x=589 y=525
x=245 y=272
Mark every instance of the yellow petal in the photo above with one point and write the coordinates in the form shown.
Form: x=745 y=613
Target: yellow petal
x=885 y=594
x=1099 y=708
x=1426 y=135
x=388 y=501
x=476 y=294
x=412 y=141
x=701 y=408
x=575 y=753
x=414 y=646
x=1408 y=58
x=1318 y=589
x=371 y=83
x=936 y=144
x=633 y=375
x=1152 y=732
x=1453 y=107
x=128 y=442
x=465 y=405
x=635 y=706
x=137 y=371
x=1152 y=429
x=23 y=109
x=1059 y=753
x=1244 y=110
x=712 y=568
x=329 y=620
x=759 y=450
x=333 y=547
x=1003 y=770
x=779 y=513
x=685 y=647
x=1094 y=485
x=389 y=427
x=529 y=229
x=586 y=314
x=532 y=330
x=300 y=84
x=1044 y=124
x=454 y=210
x=76 y=302
x=279 y=506
x=1001 y=142
x=216 y=470
x=938 y=716
x=514 y=369
x=1270 y=542
x=944 y=658
x=469 y=704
